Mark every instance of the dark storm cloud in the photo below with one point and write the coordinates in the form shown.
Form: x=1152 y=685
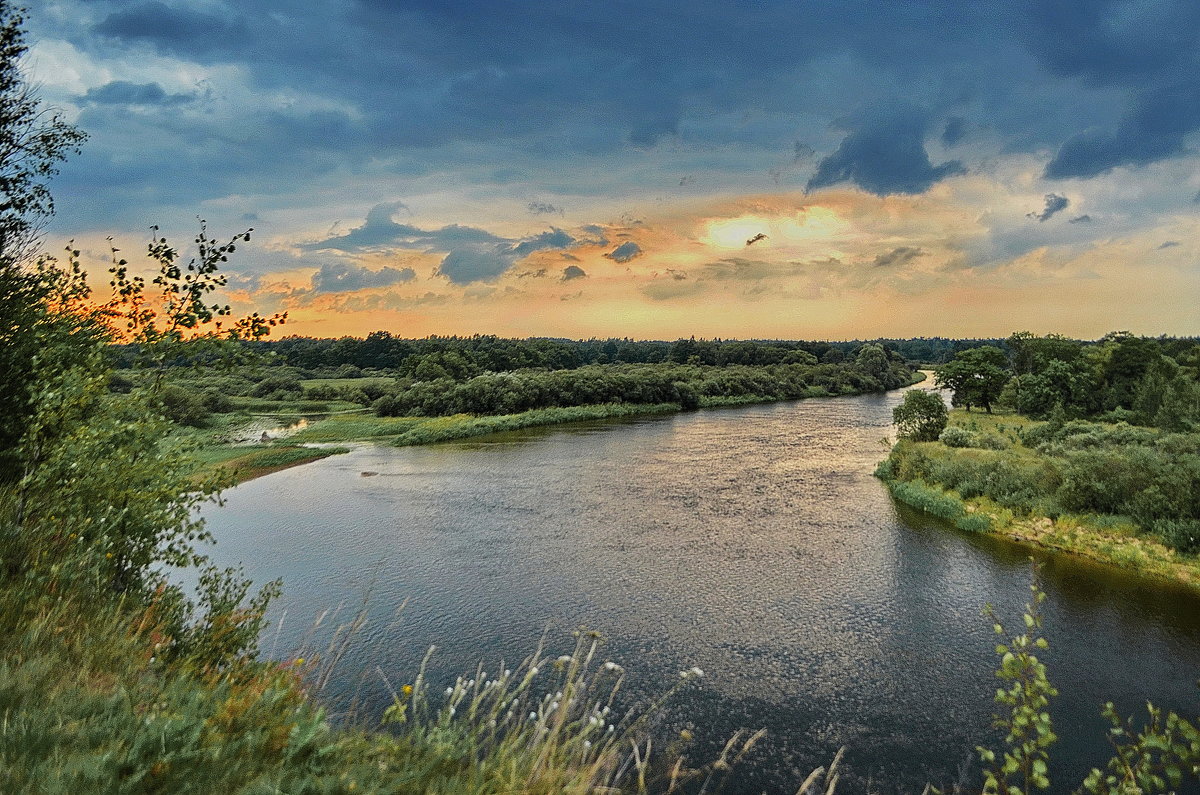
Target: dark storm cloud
x=1168 y=244
x=366 y=87
x=471 y=254
x=177 y=30
x=555 y=238
x=1081 y=219
x=1149 y=50
x=624 y=252
x=573 y=272
x=884 y=155
x=123 y=92
x=954 y=131
x=1054 y=205
x=1154 y=129
x=343 y=277
x=901 y=255
x=467 y=265
x=381 y=231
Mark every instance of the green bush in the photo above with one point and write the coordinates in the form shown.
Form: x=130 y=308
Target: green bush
x=183 y=406
x=991 y=441
x=921 y=417
x=955 y=436
x=974 y=523
x=1182 y=535
x=278 y=387
x=216 y=401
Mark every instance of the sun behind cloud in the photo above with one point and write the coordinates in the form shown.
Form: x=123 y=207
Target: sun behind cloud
x=734 y=233
x=807 y=225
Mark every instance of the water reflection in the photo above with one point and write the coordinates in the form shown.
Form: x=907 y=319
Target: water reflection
x=753 y=543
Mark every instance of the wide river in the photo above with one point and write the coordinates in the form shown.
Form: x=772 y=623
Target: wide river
x=751 y=542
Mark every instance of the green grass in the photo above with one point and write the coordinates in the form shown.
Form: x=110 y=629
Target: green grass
x=340 y=382
x=252 y=461
x=405 y=431
x=94 y=699
x=1018 y=492
x=462 y=426
x=356 y=427
x=284 y=407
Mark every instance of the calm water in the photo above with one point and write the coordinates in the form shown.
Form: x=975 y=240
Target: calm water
x=751 y=542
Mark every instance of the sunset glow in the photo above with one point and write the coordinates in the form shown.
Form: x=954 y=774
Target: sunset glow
x=519 y=174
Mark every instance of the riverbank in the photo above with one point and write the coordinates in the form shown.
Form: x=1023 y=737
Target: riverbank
x=246 y=463
x=1028 y=482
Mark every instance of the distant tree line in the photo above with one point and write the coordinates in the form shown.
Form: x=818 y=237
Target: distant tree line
x=195 y=393
x=464 y=357
x=686 y=384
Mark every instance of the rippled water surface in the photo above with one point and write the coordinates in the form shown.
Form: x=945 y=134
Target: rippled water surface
x=752 y=542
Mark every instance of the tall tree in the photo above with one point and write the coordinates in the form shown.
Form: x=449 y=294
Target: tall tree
x=977 y=376
x=34 y=140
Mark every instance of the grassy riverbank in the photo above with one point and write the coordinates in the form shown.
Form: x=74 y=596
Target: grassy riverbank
x=247 y=463
x=250 y=461
x=1114 y=493
x=98 y=694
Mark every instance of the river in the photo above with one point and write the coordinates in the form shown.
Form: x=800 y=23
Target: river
x=751 y=542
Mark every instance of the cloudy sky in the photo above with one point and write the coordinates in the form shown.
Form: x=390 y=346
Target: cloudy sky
x=650 y=169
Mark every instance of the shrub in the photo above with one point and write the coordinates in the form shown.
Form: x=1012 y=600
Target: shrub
x=954 y=436
x=183 y=406
x=120 y=383
x=929 y=499
x=1182 y=535
x=974 y=523
x=991 y=441
x=689 y=398
x=278 y=387
x=216 y=401
x=348 y=371
x=921 y=417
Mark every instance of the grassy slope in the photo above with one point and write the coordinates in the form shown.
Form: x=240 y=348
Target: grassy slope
x=92 y=701
x=1109 y=539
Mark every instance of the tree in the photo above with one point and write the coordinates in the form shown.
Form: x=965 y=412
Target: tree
x=921 y=417
x=1068 y=385
x=977 y=376
x=872 y=359
x=33 y=141
x=171 y=321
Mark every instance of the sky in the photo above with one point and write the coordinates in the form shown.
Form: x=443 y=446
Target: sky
x=716 y=168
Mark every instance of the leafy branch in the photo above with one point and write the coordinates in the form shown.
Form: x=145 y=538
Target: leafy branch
x=1022 y=767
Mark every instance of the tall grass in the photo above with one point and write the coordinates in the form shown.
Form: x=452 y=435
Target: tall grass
x=92 y=700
